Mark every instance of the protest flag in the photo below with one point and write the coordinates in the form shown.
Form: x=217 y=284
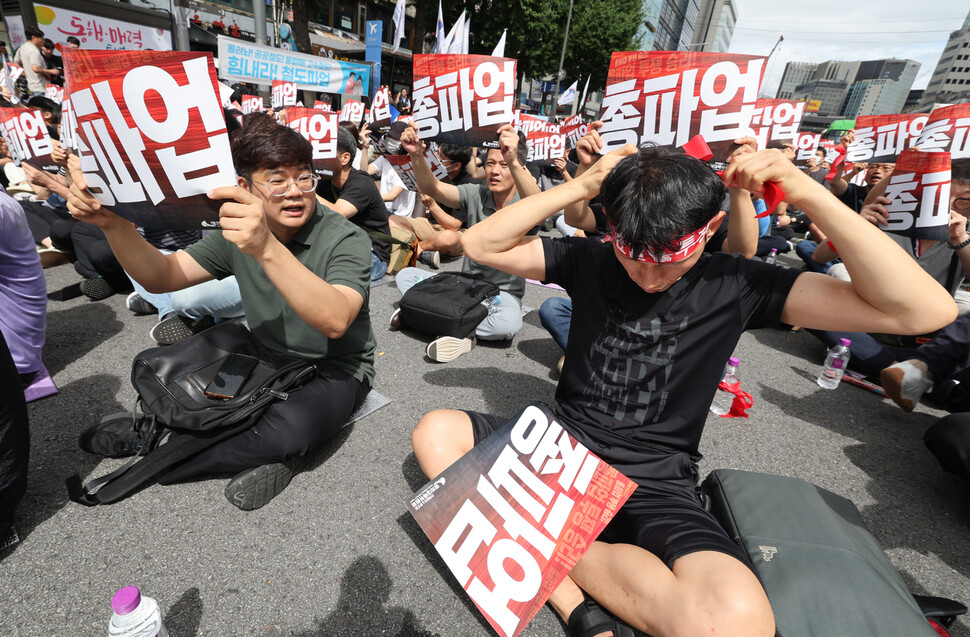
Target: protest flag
x=569 y=95
x=454 y=36
x=499 y=50
x=582 y=100
x=440 y=39
x=465 y=38
x=399 y=11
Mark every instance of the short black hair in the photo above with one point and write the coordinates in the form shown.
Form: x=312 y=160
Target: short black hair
x=960 y=171
x=46 y=104
x=656 y=196
x=33 y=32
x=459 y=154
x=346 y=142
x=263 y=144
x=73 y=40
x=352 y=127
x=49 y=44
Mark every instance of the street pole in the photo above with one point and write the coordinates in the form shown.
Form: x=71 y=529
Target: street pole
x=259 y=18
x=562 y=58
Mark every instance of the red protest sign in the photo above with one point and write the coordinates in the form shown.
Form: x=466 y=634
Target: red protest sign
x=545 y=139
x=806 y=145
x=513 y=516
x=283 y=94
x=881 y=138
x=320 y=105
x=573 y=129
x=68 y=126
x=463 y=99
x=380 y=113
x=669 y=97
x=947 y=129
x=27 y=137
x=775 y=122
x=252 y=104
x=320 y=129
x=54 y=92
x=352 y=111
x=405 y=170
x=151 y=134
x=919 y=194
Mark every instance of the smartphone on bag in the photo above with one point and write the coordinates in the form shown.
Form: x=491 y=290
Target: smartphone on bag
x=231 y=376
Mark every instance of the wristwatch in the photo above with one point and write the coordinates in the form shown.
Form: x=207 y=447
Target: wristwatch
x=962 y=244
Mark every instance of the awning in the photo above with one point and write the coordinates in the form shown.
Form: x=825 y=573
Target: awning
x=335 y=42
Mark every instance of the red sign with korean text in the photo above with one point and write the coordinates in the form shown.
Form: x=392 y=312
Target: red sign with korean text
x=919 y=194
x=405 y=170
x=947 y=129
x=320 y=105
x=68 y=126
x=545 y=139
x=252 y=104
x=775 y=122
x=463 y=99
x=806 y=145
x=881 y=138
x=380 y=112
x=27 y=137
x=54 y=92
x=320 y=128
x=283 y=94
x=151 y=134
x=669 y=97
x=513 y=516
x=352 y=111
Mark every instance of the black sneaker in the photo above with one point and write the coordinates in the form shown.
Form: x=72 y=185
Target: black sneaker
x=118 y=436
x=138 y=305
x=430 y=258
x=252 y=488
x=8 y=537
x=96 y=289
x=173 y=328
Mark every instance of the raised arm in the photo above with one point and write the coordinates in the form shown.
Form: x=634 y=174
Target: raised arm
x=508 y=143
x=742 y=229
x=445 y=194
x=588 y=149
x=889 y=291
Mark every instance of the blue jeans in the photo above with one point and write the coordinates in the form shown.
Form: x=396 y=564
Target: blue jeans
x=377 y=268
x=504 y=318
x=556 y=314
x=219 y=299
x=804 y=250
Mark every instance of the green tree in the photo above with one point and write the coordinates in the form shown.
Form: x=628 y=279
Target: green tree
x=599 y=28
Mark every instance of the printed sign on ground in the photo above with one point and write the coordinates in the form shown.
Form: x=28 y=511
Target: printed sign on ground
x=463 y=99
x=919 y=194
x=320 y=128
x=669 y=97
x=514 y=515
x=151 y=134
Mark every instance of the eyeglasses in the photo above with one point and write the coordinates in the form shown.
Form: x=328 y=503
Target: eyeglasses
x=962 y=205
x=279 y=187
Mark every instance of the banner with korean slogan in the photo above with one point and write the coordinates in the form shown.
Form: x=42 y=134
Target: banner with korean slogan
x=54 y=92
x=283 y=94
x=352 y=111
x=252 y=104
x=151 y=134
x=27 y=137
x=463 y=99
x=919 y=195
x=380 y=110
x=806 y=145
x=546 y=140
x=574 y=129
x=947 y=129
x=775 y=122
x=320 y=129
x=405 y=169
x=667 y=98
x=881 y=138
x=241 y=61
x=513 y=516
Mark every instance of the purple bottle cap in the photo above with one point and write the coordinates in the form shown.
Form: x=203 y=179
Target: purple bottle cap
x=734 y=362
x=845 y=342
x=126 y=600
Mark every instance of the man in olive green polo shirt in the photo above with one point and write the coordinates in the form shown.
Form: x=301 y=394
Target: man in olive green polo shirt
x=304 y=277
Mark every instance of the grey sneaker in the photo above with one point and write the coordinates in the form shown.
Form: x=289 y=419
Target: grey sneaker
x=906 y=382
x=138 y=305
x=252 y=488
x=445 y=349
x=430 y=258
x=173 y=328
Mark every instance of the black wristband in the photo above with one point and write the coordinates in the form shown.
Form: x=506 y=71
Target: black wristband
x=962 y=244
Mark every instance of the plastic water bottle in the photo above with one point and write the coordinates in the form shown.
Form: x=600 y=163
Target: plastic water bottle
x=835 y=364
x=723 y=399
x=135 y=615
x=771 y=258
x=493 y=301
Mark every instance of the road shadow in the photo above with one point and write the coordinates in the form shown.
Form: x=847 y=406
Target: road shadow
x=185 y=615
x=362 y=608
x=800 y=344
x=75 y=331
x=506 y=393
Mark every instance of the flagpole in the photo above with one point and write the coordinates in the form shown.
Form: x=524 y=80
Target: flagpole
x=562 y=57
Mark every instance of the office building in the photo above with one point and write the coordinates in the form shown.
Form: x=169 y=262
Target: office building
x=715 y=26
x=950 y=82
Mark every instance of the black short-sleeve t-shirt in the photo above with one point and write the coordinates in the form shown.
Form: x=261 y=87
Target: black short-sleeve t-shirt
x=361 y=192
x=641 y=369
x=854 y=196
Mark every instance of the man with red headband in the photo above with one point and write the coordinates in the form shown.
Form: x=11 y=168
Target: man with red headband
x=654 y=319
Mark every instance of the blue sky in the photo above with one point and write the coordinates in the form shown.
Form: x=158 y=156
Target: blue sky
x=820 y=30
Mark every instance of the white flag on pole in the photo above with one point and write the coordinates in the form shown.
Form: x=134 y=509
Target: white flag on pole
x=582 y=100
x=398 y=18
x=499 y=50
x=440 y=43
x=454 y=36
x=568 y=95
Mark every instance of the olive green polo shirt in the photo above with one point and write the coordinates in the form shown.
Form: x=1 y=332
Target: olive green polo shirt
x=477 y=203
x=335 y=250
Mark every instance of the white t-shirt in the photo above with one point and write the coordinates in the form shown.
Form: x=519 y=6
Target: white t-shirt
x=403 y=204
x=29 y=56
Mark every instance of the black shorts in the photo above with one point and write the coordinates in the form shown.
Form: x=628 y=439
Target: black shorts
x=663 y=517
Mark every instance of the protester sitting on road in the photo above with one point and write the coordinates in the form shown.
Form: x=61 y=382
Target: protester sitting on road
x=946 y=262
x=655 y=320
x=398 y=200
x=507 y=180
x=303 y=274
x=354 y=195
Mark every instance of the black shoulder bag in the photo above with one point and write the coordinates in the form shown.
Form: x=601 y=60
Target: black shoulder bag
x=447 y=304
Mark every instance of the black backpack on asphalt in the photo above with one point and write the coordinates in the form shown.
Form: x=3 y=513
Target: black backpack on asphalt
x=447 y=304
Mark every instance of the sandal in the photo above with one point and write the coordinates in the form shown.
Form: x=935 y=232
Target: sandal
x=589 y=619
